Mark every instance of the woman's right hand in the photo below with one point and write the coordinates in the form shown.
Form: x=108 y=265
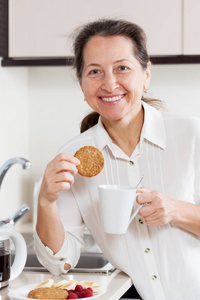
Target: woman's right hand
x=58 y=176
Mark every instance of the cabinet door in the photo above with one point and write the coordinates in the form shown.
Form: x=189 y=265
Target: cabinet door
x=43 y=28
x=191 y=37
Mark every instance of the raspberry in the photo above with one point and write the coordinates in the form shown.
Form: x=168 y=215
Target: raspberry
x=79 y=288
x=72 y=296
x=90 y=289
x=78 y=294
x=82 y=294
x=88 y=293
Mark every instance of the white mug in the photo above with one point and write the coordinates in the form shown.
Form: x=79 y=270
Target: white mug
x=116 y=205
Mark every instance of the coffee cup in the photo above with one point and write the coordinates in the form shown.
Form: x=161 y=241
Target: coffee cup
x=8 y=272
x=116 y=206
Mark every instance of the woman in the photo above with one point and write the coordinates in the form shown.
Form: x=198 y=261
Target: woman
x=160 y=250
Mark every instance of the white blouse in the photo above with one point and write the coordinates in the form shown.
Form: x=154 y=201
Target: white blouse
x=163 y=261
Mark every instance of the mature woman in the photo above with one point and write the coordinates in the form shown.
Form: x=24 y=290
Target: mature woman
x=161 y=249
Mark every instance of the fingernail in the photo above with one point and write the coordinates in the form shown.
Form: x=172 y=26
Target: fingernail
x=77 y=161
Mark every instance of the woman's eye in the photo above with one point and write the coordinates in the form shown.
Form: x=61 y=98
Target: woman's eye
x=123 y=68
x=94 y=72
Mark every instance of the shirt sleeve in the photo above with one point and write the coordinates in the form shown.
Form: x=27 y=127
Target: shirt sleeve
x=73 y=242
x=69 y=252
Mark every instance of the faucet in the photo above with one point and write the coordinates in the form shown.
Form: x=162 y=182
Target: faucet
x=3 y=170
x=15 y=160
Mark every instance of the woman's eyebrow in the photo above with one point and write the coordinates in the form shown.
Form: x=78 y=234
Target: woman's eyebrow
x=92 y=65
x=98 y=65
x=121 y=60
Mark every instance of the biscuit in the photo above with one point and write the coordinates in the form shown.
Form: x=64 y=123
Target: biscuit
x=48 y=293
x=91 y=161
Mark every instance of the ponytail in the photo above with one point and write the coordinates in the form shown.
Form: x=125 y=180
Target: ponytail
x=89 y=121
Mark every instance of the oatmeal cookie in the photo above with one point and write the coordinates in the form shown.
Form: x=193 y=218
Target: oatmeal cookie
x=48 y=293
x=91 y=161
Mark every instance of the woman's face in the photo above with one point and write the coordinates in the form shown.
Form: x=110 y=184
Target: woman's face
x=112 y=78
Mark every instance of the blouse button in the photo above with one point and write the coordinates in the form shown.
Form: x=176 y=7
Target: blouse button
x=62 y=259
x=154 y=277
x=131 y=163
x=141 y=221
x=147 y=250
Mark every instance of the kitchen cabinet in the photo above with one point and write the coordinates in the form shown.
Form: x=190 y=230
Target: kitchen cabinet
x=191 y=25
x=42 y=28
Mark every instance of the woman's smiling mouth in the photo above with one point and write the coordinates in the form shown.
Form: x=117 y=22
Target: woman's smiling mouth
x=112 y=98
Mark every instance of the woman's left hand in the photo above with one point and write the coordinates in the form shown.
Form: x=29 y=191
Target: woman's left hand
x=159 y=210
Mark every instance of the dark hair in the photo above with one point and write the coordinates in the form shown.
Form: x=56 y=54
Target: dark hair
x=110 y=27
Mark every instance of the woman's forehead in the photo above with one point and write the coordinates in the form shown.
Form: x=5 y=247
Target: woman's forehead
x=105 y=47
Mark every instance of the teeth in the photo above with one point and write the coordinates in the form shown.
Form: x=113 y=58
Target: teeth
x=111 y=99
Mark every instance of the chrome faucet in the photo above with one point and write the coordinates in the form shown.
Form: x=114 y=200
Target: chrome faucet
x=15 y=160
x=3 y=170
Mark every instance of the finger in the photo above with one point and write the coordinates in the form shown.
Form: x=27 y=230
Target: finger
x=64 y=177
x=55 y=188
x=145 y=197
x=63 y=166
x=143 y=190
x=147 y=210
x=61 y=186
x=68 y=158
x=160 y=220
x=150 y=216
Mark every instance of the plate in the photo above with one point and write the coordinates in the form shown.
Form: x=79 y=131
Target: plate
x=22 y=292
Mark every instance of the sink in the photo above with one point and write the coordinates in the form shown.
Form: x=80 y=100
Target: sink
x=89 y=262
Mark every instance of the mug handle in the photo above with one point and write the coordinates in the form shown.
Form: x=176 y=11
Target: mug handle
x=20 y=252
x=136 y=211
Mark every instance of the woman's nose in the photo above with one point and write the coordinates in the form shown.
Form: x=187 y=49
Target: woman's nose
x=110 y=83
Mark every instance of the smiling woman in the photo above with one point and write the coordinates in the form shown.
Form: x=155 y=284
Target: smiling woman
x=133 y=56
x=135 y=138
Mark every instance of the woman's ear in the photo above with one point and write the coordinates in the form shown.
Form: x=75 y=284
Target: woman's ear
x=147 y=75
x=81 y=85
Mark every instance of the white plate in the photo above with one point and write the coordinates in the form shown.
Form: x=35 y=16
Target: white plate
x=22 y=292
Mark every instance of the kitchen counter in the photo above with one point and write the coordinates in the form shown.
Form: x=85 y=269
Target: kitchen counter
x=117 y=283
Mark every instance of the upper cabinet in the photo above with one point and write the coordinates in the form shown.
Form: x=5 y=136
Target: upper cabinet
x=44 y=28
x=191 y=38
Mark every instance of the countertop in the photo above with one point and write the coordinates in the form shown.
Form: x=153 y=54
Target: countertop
x=116 y=283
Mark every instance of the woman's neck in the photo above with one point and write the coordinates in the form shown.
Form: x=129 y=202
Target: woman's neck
x=125 y=133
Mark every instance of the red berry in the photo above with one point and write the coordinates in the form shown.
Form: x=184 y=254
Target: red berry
x=72 y=296
x=79 y=288
x=78 y=294
x=82 y=294
x=90 y=289
x=88 y=293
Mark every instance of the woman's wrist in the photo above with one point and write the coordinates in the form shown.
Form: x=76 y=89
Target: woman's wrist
x=187 y=216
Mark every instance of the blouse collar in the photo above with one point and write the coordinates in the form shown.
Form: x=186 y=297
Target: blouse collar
x=153 y=129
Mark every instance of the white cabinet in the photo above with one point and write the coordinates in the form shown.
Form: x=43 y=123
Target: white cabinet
x=42 y=28
x=191 y=38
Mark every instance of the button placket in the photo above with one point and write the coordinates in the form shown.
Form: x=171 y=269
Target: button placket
x=149 y=259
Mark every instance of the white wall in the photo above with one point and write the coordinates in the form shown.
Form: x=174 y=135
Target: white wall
x=14 y=137
x=41 y=108
x=56 y=109
x=178 y=86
